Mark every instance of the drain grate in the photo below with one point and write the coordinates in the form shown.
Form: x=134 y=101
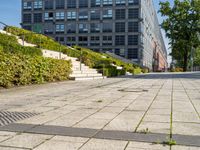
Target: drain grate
x=7 y=117
x=133 y=90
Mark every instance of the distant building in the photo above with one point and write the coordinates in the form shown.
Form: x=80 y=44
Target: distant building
x=128 y=28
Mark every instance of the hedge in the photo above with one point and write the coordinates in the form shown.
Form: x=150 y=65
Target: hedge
x=18 y=69
x=88 y=57
x=9 y=44
x=112 y=71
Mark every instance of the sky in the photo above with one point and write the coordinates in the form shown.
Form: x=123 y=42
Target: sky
x=10 y=13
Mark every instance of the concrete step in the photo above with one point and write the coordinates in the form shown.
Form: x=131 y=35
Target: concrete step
x=91 y=71
x=86 y=75
x=86 y=78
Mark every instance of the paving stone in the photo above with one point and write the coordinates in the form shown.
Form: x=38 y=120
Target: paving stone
x=186 y=128
x=9 y=148
x=178 y=147
x=62 y=142
x=157 y=118
x=100 y=115
x=159 y=111
x=186 y=117
x=92 y=123
x=25 y=140
x=122 y=124
x=146 y=146
x=155 y=127
x=100 y=144
x=70 y=139
x=5 y=135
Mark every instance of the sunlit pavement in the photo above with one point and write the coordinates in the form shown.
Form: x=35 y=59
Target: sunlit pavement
x=125 y=113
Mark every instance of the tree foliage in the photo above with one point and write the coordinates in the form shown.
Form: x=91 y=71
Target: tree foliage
x=182 y=25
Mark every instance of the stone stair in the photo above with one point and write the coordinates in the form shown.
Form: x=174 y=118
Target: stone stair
x=82 y=72
x=79 y=71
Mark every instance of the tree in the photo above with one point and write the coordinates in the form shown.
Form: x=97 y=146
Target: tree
x=182 y=25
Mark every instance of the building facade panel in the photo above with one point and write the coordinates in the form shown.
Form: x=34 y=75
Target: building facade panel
x=125 y=27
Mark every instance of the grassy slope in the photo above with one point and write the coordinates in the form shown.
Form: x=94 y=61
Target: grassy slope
x=24 y=65
x=89 y=57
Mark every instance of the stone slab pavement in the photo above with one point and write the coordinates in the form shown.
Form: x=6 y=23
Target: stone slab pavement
x=125 y=113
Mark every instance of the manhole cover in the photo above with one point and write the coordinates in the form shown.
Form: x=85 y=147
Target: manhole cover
x=133 y=90
x=7 y=117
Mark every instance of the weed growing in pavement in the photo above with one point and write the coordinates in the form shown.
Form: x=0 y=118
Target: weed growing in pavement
x=144 y=131
x=100 y=101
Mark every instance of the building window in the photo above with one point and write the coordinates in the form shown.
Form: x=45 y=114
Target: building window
x=133 y=2
x=83 y=28
x=120 y=52
x=95 y=14
x=107 y=2
x=133 y=13
x=83 y=15
x=120 y=2
x=132 y=53
x=27 y=5
x=48 y=4
x=133 y=27
x=94 y=27
x=38 y=4
x=83 y=3
x=27 y=18
x=94 y=38
x=71 y=39
x=60 y=39
x=37 y=17
x=120 y=27
x=60 y=16
x=71 y=15
x=95 y=3
x=107 y=44
x=133 y=40
x=107 y=27
x=48 y=16
x=107 y=38
x=119 y=40
x=107 y=14
x=60 y=28
x=120 y=14
x=60 y=4
x=83 y=38
x=71 y=28
x=71 y=3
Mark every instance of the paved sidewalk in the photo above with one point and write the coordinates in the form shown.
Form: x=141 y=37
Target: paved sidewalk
x=111 y=114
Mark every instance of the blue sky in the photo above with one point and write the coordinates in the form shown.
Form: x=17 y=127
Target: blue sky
x=10 y=13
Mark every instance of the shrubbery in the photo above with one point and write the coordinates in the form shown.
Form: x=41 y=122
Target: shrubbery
x=18 y=69
x=9 y=44
x=88 y=57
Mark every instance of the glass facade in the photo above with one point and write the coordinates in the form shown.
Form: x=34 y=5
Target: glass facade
x=95 y=3
x=95 y=28
x=71 y=4
x=71 y=15
x=112 y=25
x=37 y=17
x=38 y=4
x=27 y=5
x=120 y=14
x=60 y=4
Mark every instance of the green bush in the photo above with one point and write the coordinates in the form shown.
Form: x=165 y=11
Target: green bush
x=88 y=57
x=137 y=70
x=111 y=71
x=9 y=44
x=18 y=69
x=145 y=70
